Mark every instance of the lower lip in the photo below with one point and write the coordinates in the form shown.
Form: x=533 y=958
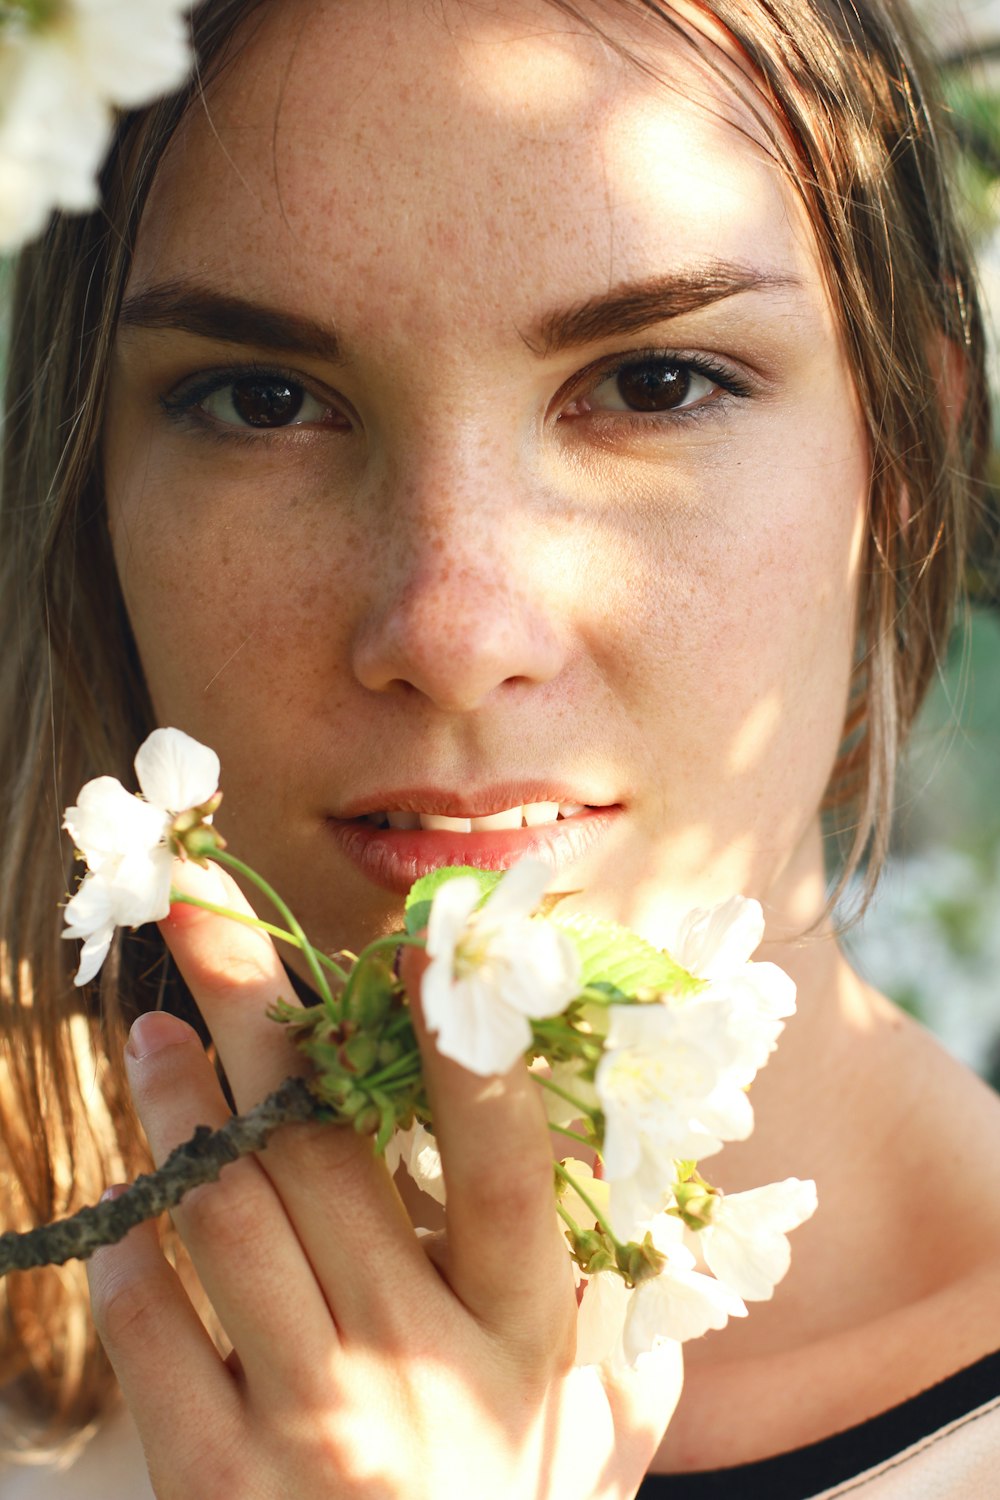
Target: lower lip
x=394 y=858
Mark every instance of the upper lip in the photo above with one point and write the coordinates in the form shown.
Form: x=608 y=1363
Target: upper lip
x=481 y=803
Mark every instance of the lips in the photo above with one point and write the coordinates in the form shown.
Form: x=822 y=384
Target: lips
x=409 y=835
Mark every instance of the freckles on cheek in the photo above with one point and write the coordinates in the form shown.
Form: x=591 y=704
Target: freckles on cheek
x=235 y=605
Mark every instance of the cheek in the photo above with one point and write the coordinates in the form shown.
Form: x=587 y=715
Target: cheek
x=238 y=613
x=744 y=621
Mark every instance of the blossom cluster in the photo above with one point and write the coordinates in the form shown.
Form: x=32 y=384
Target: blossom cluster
x=65 y=65
x=645 y=1057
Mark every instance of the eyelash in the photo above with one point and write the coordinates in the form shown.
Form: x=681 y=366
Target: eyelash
x=729 y=383
x=182 y=403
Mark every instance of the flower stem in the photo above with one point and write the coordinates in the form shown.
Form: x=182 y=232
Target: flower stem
x=395 y=1072
x=571 y=1135
x=586 y=1111
x=222 y=856
x=258 y=922
x=585 y=1198
x=567 y=1218
x=394 y=940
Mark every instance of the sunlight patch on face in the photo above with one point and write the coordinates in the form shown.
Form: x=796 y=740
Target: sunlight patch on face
x=531 y=77
x=756 y=735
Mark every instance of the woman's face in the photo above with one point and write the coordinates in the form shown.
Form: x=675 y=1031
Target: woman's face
x=480 y=438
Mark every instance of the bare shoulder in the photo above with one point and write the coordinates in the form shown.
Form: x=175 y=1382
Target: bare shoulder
x=896 y=1284
x=781 y=1401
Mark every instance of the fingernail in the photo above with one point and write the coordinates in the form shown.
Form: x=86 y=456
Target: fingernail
x=153 y=1031
x=114 y=1191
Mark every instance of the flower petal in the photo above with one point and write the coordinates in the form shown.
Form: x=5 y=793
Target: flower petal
x=140 y=887
x=601 y=1318
x=93 y=953
x=176 y=772
x=472 y=1027
x=746 y=1245
x=718 y=940
x=677 y=1305
x=107 y=821
x=453 y=904
x=520 y=890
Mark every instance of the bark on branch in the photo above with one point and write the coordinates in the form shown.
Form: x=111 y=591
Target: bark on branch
x=198 y=1160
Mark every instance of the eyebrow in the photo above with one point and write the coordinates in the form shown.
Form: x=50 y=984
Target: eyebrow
x=627 y=308
x=632 y=306
x=233 y=320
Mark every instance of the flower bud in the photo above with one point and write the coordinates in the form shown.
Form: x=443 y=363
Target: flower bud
x=360 y=1054
x=639 y=1263
x=337 y=1091
x=591 y=1250
x=354 y=1102
x=192 y=834
x=696 y=1202
x=372 y=991
x=368 y=1120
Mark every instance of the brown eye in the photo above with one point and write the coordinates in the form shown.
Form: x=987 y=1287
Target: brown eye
x=653 y=385
x=266 y=403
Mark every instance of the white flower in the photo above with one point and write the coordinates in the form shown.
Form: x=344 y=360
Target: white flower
x=596 y=1189
x=678 y=1304
x=125 y=840
x=621 y=1326
x=746 y=1242
x=567 y=1079
x=667 y=1083
x=59 y=82
x=418 y=1152
x=493 y=969
x=716 y=944
x=600 y=1321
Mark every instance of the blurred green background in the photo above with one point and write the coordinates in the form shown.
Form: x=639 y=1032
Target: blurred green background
x=931 y=938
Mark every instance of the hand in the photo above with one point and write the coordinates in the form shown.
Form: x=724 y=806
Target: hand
x=366 y=1362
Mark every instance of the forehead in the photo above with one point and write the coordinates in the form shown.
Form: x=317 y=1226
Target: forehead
x=360 y=148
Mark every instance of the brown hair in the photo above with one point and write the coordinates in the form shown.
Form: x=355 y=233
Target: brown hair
x=844 y=98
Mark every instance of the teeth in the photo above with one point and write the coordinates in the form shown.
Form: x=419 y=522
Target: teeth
x=445 y=825
x=403 y=819
x=530 y=815
x=509 y=819
x=536 y=813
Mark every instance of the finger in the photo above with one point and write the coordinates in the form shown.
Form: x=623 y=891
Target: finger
x=506 y=1255
x=171 y=1375
x=247 y=1254
x=236 y=976
x=345 y=1210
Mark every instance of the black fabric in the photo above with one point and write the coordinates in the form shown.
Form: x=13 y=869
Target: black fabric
x=809 y=1471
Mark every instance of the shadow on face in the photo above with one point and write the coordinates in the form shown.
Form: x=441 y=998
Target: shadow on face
x=481 y=437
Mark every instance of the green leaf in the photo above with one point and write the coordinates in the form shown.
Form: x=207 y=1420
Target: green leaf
x=614 y=957
x=422 y=892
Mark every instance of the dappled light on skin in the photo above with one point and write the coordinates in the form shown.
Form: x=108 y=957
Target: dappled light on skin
x=529 y=73
x=655 y=593
x=359 y=1429
x=755 y=740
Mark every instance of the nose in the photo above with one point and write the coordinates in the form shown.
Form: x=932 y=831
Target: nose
x=460 y=608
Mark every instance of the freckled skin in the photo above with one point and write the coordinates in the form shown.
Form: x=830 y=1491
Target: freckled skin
x=482 y=571
x=463 y=587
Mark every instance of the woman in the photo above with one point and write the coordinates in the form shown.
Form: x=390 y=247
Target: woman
x=455 y=413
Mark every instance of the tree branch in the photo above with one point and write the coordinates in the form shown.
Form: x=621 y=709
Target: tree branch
x=198 y=1160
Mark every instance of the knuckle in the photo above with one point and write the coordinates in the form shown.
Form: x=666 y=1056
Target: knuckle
x=129 y=1307
x=226 y=1213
